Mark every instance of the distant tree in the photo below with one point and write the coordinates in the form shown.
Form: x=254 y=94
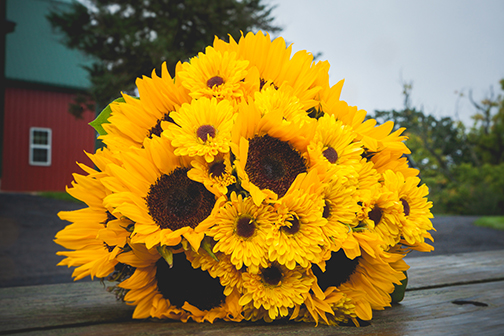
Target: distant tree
x=464 y=168
x=128 y=38
x=437 y=144
x=487 y=133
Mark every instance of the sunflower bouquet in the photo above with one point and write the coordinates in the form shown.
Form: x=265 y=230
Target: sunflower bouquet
x=243 y=188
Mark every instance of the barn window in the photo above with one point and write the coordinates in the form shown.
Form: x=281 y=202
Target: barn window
x=40 y=146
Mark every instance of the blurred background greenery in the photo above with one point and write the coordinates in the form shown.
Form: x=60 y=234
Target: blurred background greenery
x=463 y=165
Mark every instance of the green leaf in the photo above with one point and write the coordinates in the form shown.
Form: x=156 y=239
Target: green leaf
x=103 y=117
x=167 y=254
x=398 y=294
x=206 y=245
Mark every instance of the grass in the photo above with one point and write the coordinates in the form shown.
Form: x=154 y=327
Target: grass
x=494 y=222
x=441 y=215
x=59 y=195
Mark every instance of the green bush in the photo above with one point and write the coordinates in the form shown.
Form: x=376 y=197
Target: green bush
x=59 y=195
x=494 y=222
x=474 y=191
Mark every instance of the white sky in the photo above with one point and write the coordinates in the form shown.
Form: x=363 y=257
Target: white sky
x=442 y=46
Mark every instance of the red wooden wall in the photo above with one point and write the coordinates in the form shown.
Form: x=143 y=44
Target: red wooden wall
x=25 y=108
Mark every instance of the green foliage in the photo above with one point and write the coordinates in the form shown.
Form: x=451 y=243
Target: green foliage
x=81 y=104
x=399 y=290
x=59 y=195
x=464 y=169
x=494 y=222
x=436 y=144
x=128 y=38
x=487 y=133
x=476 y=191
x=103 y=118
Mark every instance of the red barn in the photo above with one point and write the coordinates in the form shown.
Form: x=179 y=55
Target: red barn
x=41 y=141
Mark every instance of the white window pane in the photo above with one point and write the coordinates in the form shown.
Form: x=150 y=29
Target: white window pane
x=40 y=146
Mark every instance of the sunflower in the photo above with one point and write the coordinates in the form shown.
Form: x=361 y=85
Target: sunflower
x=270 y=152
x=273 y=291
x=159 y=197
x=380 y=210
x=244 y=188
x=239 y=229
x=96 y=239
x=333 y=145
x=332 y=306
x=179 y=292
x=328 y=96
x=274 y=115
x=414 y=207
x=141 y=287
x=340 y=208
x=95 y=236
x=215 y=74
x=370 y=286
x=386 y=149
x=385 y=138
x=349 y=115
x=216 y=175
x=202 y=128
x=366 y=280
x=298 y=236
x=219 y=266
x=388 y=159
x=266 y=55
x=135 y=120
x=282 y=98
x=373 y=138
x=368 y=176
x=276 y=66
x=273 y=164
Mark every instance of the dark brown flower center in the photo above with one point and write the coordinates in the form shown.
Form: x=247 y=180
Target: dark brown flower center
x=175 y=201
x=406 y=206
x=272 y=275
x=327 y=210
x=217 y=169
x=156 y=129
x=273 y=164
x=183 y=283
x=330 y=154
x=338 y=270
x=376 y=214
x=215 y=81
x=204 y=131
x=294 y=226
x=245 y=226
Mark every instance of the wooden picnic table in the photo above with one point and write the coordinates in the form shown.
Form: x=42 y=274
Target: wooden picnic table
x=460 y=294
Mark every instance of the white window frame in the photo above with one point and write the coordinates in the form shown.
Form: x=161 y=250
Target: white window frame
x=40 y=146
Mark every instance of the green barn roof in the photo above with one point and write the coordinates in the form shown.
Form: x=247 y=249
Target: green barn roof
x=34 y=52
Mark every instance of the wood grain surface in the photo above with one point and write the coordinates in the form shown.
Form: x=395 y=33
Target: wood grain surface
x=460 y=294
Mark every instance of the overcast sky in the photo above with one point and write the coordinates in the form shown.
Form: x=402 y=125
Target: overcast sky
x=441 y=46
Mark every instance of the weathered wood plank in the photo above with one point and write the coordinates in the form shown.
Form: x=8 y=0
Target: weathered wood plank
x=62 y=304
x=425 y=312
x=84 y=307
x=476 y=309
x=443 y=270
